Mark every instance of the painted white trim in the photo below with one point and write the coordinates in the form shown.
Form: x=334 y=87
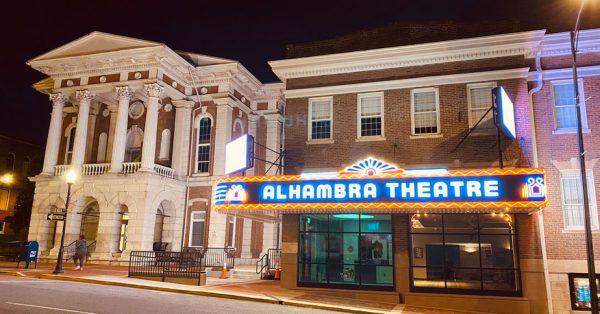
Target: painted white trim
x=592 y=197
x=494 y=46
x=310 y=104
x=584 y=122
x=566 y=73
x=559 y=44
x=359 y=97
x=412 y=111
x=408 y=83
x=472 y=86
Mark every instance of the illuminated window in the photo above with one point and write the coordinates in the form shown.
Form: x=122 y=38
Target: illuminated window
x=572 y=199
x=165 y=144
x=565 y=114
x=480 y=101
x=70 y=143
x=370 y=113
x=197 y=229
x=319 y=117
x=425 y=109
x=4 y=193
x=203 y=149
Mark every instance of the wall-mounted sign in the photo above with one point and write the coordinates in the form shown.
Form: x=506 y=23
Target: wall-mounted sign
x=239 y=154
x=373 y=184
x=506 y=112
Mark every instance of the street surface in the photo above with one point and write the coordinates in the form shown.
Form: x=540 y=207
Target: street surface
x=29 y=295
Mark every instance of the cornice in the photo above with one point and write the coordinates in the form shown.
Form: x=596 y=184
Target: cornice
x=409 y=83
x=411 y=55
x=559 y=44
x=565 y=73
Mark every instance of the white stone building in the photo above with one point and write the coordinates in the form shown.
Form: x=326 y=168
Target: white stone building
x=146 y=126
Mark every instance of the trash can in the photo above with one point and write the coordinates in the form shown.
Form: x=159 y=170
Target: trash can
x=28 y=253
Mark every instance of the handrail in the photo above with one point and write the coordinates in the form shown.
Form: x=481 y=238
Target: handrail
x=260 y=269
x=268 y=261
x=67 y=249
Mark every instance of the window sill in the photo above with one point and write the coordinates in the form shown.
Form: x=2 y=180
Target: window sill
x=568 y=131
x=370 y=138
x=426 y=136
x=579 y=230
x=200 y=174
x=320 y=141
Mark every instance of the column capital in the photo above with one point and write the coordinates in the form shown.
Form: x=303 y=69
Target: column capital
x=183 y=104
x=153 y=90
x=124 y=92
x=84 y=95
x=252 y=117
x=58 y=98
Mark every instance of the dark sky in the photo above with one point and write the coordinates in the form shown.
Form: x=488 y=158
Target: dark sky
x=253 y=32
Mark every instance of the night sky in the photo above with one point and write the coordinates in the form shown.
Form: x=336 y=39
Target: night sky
x=252 y=32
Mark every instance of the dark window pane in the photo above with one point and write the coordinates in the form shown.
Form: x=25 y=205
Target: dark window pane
x=461 y=251
x=343 y=274
x=505 y=280
x=204 y=131
x=426 y=130
x=460 y=223
x=321 y=130
x=377 y=275
x=376 y=223
x=497 y=251
x=463 y=278
x=426 y=223
x=343 y=248
x=497 y=223
x=314 y=223
x=312 y=273
x=429 y=277
x=376 y=249
x=344 y=222
x=428 y=250
x=198 y=233
x=313 y=248
x=370 y=126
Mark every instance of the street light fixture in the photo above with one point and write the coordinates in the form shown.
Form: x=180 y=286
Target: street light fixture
x=70 y=178
x=7 y=179
x=584 y=186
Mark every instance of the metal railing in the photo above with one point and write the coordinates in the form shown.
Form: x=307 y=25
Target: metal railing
x=218 y=257
x=70 y=249
x=164 y=171
x=270 y=261
x=94 y=169
x=131 y=167
x=186 y=264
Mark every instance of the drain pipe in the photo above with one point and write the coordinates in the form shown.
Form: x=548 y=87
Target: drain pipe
x=534 y=153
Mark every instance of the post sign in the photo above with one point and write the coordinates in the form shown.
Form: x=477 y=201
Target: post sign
x=56 y=217
x=375 y=184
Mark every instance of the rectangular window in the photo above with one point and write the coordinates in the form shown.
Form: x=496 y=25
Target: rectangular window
x=203 y=148
x=480 y=101
x=425 y=109
x=572 y=199
x=4 y=199
x=565 y=112
x=197 y=229
x=346 y=250
x=370 y=115
x=464 y=253
x=231 y=231
x=320 y=114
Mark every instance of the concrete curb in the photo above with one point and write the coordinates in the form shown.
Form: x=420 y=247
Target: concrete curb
x=271 y=300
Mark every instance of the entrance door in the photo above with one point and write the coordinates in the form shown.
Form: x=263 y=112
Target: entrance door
x=89 y=223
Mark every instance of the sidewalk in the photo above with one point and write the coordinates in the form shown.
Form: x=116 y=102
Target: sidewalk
x=241 y=289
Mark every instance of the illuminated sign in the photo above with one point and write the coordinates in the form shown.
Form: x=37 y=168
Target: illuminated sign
x=366 y=187
x=506 y=112
x=239 y=154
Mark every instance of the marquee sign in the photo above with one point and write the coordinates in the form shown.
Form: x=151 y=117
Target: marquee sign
x=377 y=185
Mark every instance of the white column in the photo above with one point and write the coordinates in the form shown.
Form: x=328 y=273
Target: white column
x=111 y=130
x=252 y=123
x=124 y=94
x=152 y=106
x=273 y=140
x=54 y=131
x=90 y=133
x=181 y=136
x=84 y=97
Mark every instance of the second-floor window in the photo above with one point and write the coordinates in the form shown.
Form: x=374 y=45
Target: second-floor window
x=565 y=112
x=480 y=101
x=320 y=118
x=425 y=111
x=10 y=162
x=69 y=148
x=370 y=114
x=572 y=199
x=203 y=149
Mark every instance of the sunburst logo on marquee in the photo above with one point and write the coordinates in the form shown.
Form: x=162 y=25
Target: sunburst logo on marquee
x=370 y=167
x=236 y=194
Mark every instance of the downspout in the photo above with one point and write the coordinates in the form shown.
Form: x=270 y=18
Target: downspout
x=534 y=152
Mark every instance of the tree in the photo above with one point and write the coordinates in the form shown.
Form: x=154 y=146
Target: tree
x=19 y=221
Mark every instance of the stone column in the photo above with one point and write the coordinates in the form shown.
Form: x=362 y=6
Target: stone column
x=54 y=131
x=152 y=106
x=84 y=97
x=90 y=133
x=124 y=93
x=273 y=140
x=181 y=136
x=111 y=130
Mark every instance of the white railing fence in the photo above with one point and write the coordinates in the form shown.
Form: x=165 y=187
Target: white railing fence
x=164 y=171
x=95 y=169
x=131 y=167
x=59 y=170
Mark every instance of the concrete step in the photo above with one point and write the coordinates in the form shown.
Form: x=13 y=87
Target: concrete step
x=244 y=274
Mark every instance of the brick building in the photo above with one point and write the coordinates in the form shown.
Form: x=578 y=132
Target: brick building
x=145 y=127
x=359 y=117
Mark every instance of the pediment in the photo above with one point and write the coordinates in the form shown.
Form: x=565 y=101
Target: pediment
x=94 y=43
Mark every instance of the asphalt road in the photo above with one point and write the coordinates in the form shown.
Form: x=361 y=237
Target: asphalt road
x=29 y=295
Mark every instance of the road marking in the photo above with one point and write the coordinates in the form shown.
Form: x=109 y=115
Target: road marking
x=49 y=308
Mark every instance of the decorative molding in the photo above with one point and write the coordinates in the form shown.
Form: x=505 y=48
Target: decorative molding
x=565 y=73
x=411 y=55
x=58 y=99
x=84 y=95
x=153 y=90
x=182 y=103
x=409 y=83
x=559 y=44
x=124 y=92
x=136 y=110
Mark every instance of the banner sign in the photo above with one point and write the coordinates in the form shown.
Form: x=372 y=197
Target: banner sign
x=375 y=184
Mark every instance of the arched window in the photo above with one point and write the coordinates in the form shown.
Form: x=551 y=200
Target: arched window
x=165 y=144
x=26 y=166
x=102 y=141
x=70 y=143
x=203 y=151
x=10 y=162
x=133 y=150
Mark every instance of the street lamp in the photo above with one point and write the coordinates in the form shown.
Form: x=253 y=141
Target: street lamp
x=7 y=179
x=581 y=157
x=70 y=178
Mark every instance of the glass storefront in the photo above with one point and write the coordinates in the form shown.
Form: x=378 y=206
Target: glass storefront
x=464 y=253
x=346 y=251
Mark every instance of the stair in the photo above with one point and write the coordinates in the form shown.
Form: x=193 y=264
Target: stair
x=245 y=272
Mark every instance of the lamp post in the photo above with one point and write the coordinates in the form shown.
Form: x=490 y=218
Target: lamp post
x=70 y=178
x=581 y=156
